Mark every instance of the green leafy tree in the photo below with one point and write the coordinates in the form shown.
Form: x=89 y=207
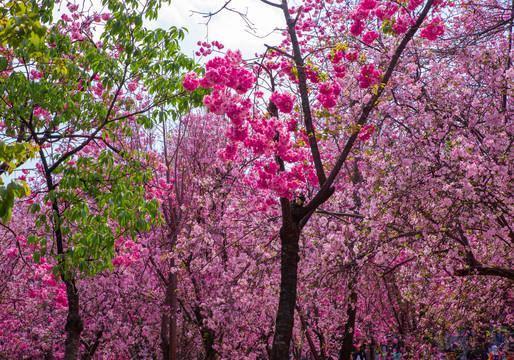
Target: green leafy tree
x=82 y=90
x=11 y=156
x=19 y=27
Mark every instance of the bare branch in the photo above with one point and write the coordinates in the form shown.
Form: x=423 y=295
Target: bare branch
x=304 y=95
x=279 y=51
x=358 y=216
x=209 y=15
x=272 y=4
x=325 y=189
x=486 y=271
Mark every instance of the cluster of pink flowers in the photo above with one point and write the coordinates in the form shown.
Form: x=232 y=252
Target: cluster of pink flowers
x=366 y=132
x=369 y=37
x=386 y=12
x=206 y=48
x=223 y=73
x=336 y=56
x=72 y=7
x=97 y=17
x=132 y=86
x=369 y=76
x=368 y=4
x=352 y=56
x=414 y=4
x=269 y=137
x=226 y=73
x=357 y=28
x=12 y=252
x=262 y=135
x=36 y=75
x=433 y=30
x=190 y=82
x=340 y=71
x=311 y=75
x=284 y=101
x=328 y=94
x=402 y=24
x=361 y=13
x=282 y=183
x=38 y=112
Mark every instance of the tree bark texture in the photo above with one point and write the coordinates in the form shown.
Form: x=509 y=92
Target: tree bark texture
x=169 y=319
x=173 y=314
x=289 y=237
x=347 y=347
x=295 y=216
x=74 y=323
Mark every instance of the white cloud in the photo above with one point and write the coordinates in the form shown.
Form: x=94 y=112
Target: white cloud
x=227 y=27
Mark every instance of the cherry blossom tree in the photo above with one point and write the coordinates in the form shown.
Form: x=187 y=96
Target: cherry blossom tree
x=267 y=135
x=354 y=181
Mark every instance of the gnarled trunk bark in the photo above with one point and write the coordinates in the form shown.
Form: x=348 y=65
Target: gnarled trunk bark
x=173 y=314
x=289 y=238
x=74 y=323
x=169 y=320
x=347 y=346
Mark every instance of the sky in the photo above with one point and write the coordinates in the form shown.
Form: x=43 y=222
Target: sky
x=227 y=27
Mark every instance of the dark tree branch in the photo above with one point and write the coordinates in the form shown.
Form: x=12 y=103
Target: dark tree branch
x=486 y=271
x=358 y=216
x=304 y=94
x=321 y=196
x=279 y=51
x=280 y=6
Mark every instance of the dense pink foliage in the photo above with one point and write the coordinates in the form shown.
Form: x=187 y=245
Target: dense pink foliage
x=422 y=209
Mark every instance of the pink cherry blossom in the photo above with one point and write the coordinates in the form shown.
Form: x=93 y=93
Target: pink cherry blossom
x=369 y=37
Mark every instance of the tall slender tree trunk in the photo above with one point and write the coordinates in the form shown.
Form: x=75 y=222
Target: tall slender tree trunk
x=74 y=323
x=169 y=318
x=289 y=238
x=169 y=322
x=173 y=313
x=349 y=328
x=165 y=320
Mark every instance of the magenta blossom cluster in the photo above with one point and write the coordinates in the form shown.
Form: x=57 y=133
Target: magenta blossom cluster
x=386 y=12
x=369 y=37
x=402 y=24
x=366 y=132
x=340 y=71
x=361 y=13
x=284 y=101
x=336 y=56
x=433 y=30
x=328 y=93
x=263 y=135
x=369 y=76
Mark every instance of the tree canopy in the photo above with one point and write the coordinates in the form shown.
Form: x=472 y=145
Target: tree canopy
x=349 y=186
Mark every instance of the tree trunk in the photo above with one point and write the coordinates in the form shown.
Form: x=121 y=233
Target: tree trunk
x=289 y=237
x=308 y=336
x=349 y=328
x=372 y=349
x=91 y=348
x=165 y=319
x=169 y=319
x=173 y=314
x=74 y=324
